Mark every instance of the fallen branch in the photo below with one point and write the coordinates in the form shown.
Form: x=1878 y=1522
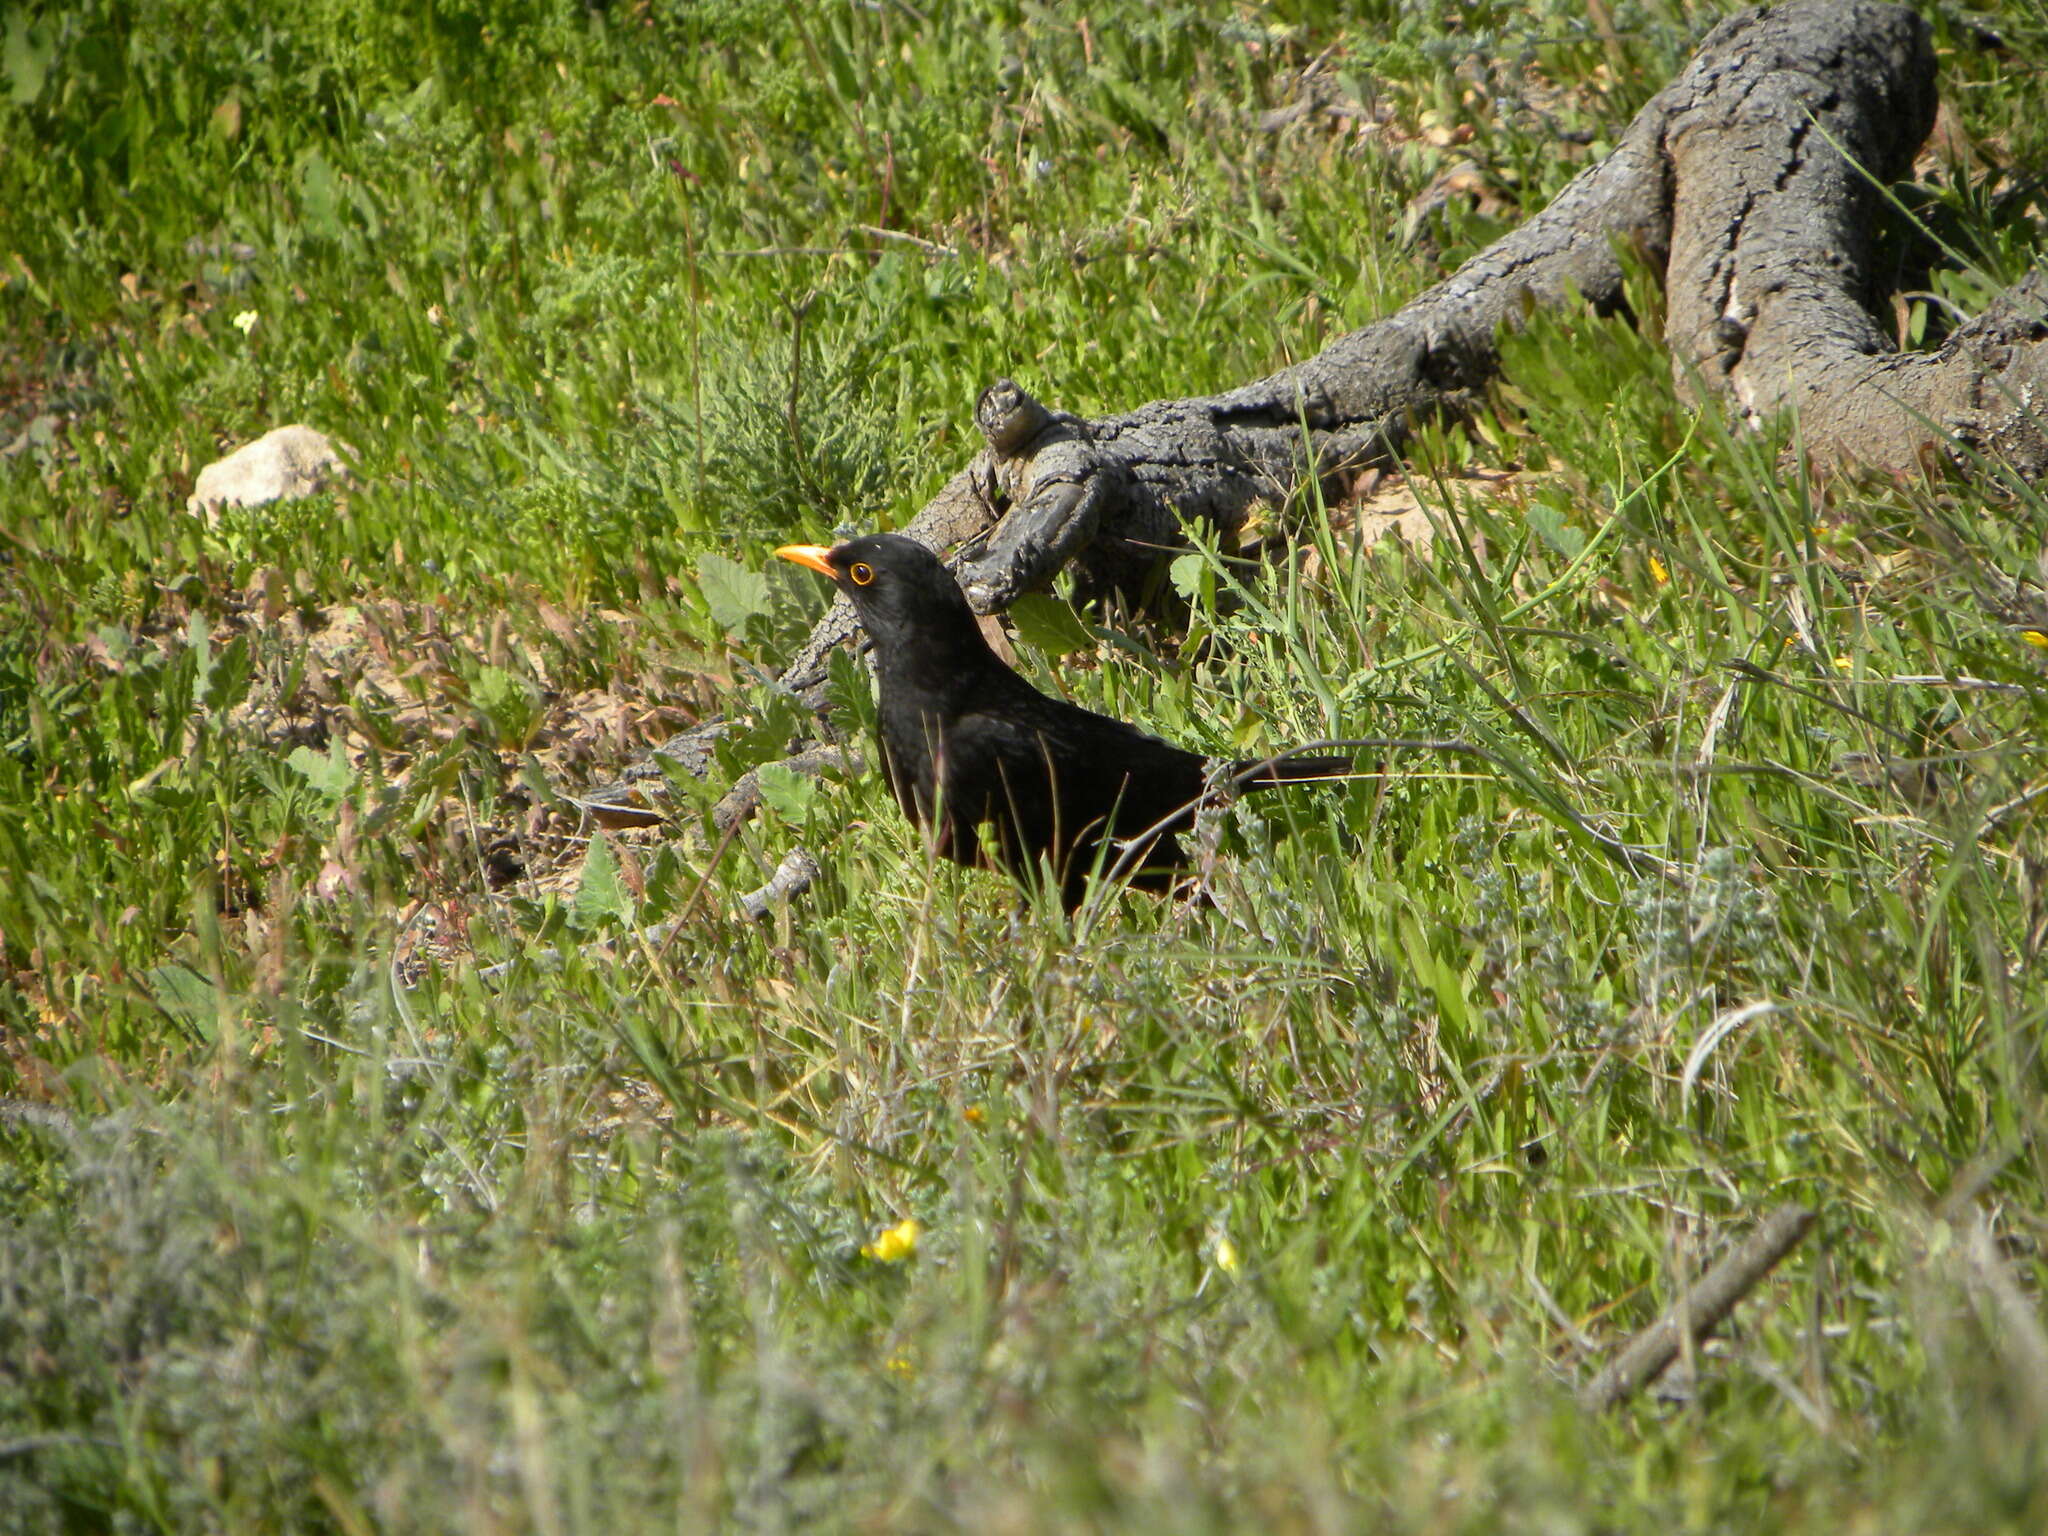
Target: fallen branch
x=1700 y=1310
x=1755 y=181
x=792 y=877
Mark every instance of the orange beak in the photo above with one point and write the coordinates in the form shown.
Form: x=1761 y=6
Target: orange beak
x=816 y=556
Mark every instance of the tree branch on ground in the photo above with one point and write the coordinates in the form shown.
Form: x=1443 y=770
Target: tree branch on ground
x=1700 y=1310
x=1756 y=181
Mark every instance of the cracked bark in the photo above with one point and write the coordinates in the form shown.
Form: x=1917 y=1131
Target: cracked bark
x=1754 y=180
x=1779 y=165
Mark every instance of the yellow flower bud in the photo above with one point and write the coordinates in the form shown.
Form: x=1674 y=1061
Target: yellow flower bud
x=892 y=1245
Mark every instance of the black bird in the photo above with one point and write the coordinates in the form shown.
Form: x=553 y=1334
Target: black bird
x=999 y=772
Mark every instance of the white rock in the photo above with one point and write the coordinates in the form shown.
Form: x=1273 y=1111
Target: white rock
x=282 y=465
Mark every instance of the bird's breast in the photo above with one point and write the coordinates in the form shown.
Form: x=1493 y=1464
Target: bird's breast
x=909 y=756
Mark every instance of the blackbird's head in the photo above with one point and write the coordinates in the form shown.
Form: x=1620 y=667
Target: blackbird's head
x=898 y=587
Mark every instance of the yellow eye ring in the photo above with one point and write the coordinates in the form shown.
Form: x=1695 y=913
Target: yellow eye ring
x=862 y=574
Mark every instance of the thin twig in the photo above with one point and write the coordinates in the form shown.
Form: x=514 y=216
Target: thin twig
x=1961 y=682
x=790 y=250
x=704 y=880
x=917 y=240
x=2025 y=1343
x=28 y=1445
x=2018 y=802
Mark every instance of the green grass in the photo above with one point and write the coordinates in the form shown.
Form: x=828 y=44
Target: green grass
x=1307 y=1211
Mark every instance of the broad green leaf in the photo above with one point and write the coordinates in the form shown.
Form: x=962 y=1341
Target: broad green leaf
x=788 y=794
x=186 y=996
x=601 y=894
x=26 y=53
x=733 y=593
x=1049 y=625
x=329 y=773
x=1193 y=578
x=200 y=639
x=1553 y=530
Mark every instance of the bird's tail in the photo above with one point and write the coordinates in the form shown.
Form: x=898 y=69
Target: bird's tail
x=1259 y=772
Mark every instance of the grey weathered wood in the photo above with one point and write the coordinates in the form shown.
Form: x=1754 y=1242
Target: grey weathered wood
x=1742 y=174
x=797 y=873
x=1779 y=159
x=1700 y=1310
x=1108 y=494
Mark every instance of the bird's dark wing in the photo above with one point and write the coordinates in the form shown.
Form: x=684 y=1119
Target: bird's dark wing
x=1059 y=775
x=993 y=768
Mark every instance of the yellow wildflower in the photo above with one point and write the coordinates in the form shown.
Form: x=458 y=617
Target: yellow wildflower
x=245 y=322
x=1658 y=573
x=1227 y=1258
x=892 y=1245
x=2035 y=637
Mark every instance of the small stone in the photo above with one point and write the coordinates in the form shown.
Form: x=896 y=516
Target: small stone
x=282 y=465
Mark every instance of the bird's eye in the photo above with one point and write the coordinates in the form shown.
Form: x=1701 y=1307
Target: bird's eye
x=862 y=574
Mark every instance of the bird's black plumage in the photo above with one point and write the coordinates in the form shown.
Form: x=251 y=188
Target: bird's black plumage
x=1000 y=772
